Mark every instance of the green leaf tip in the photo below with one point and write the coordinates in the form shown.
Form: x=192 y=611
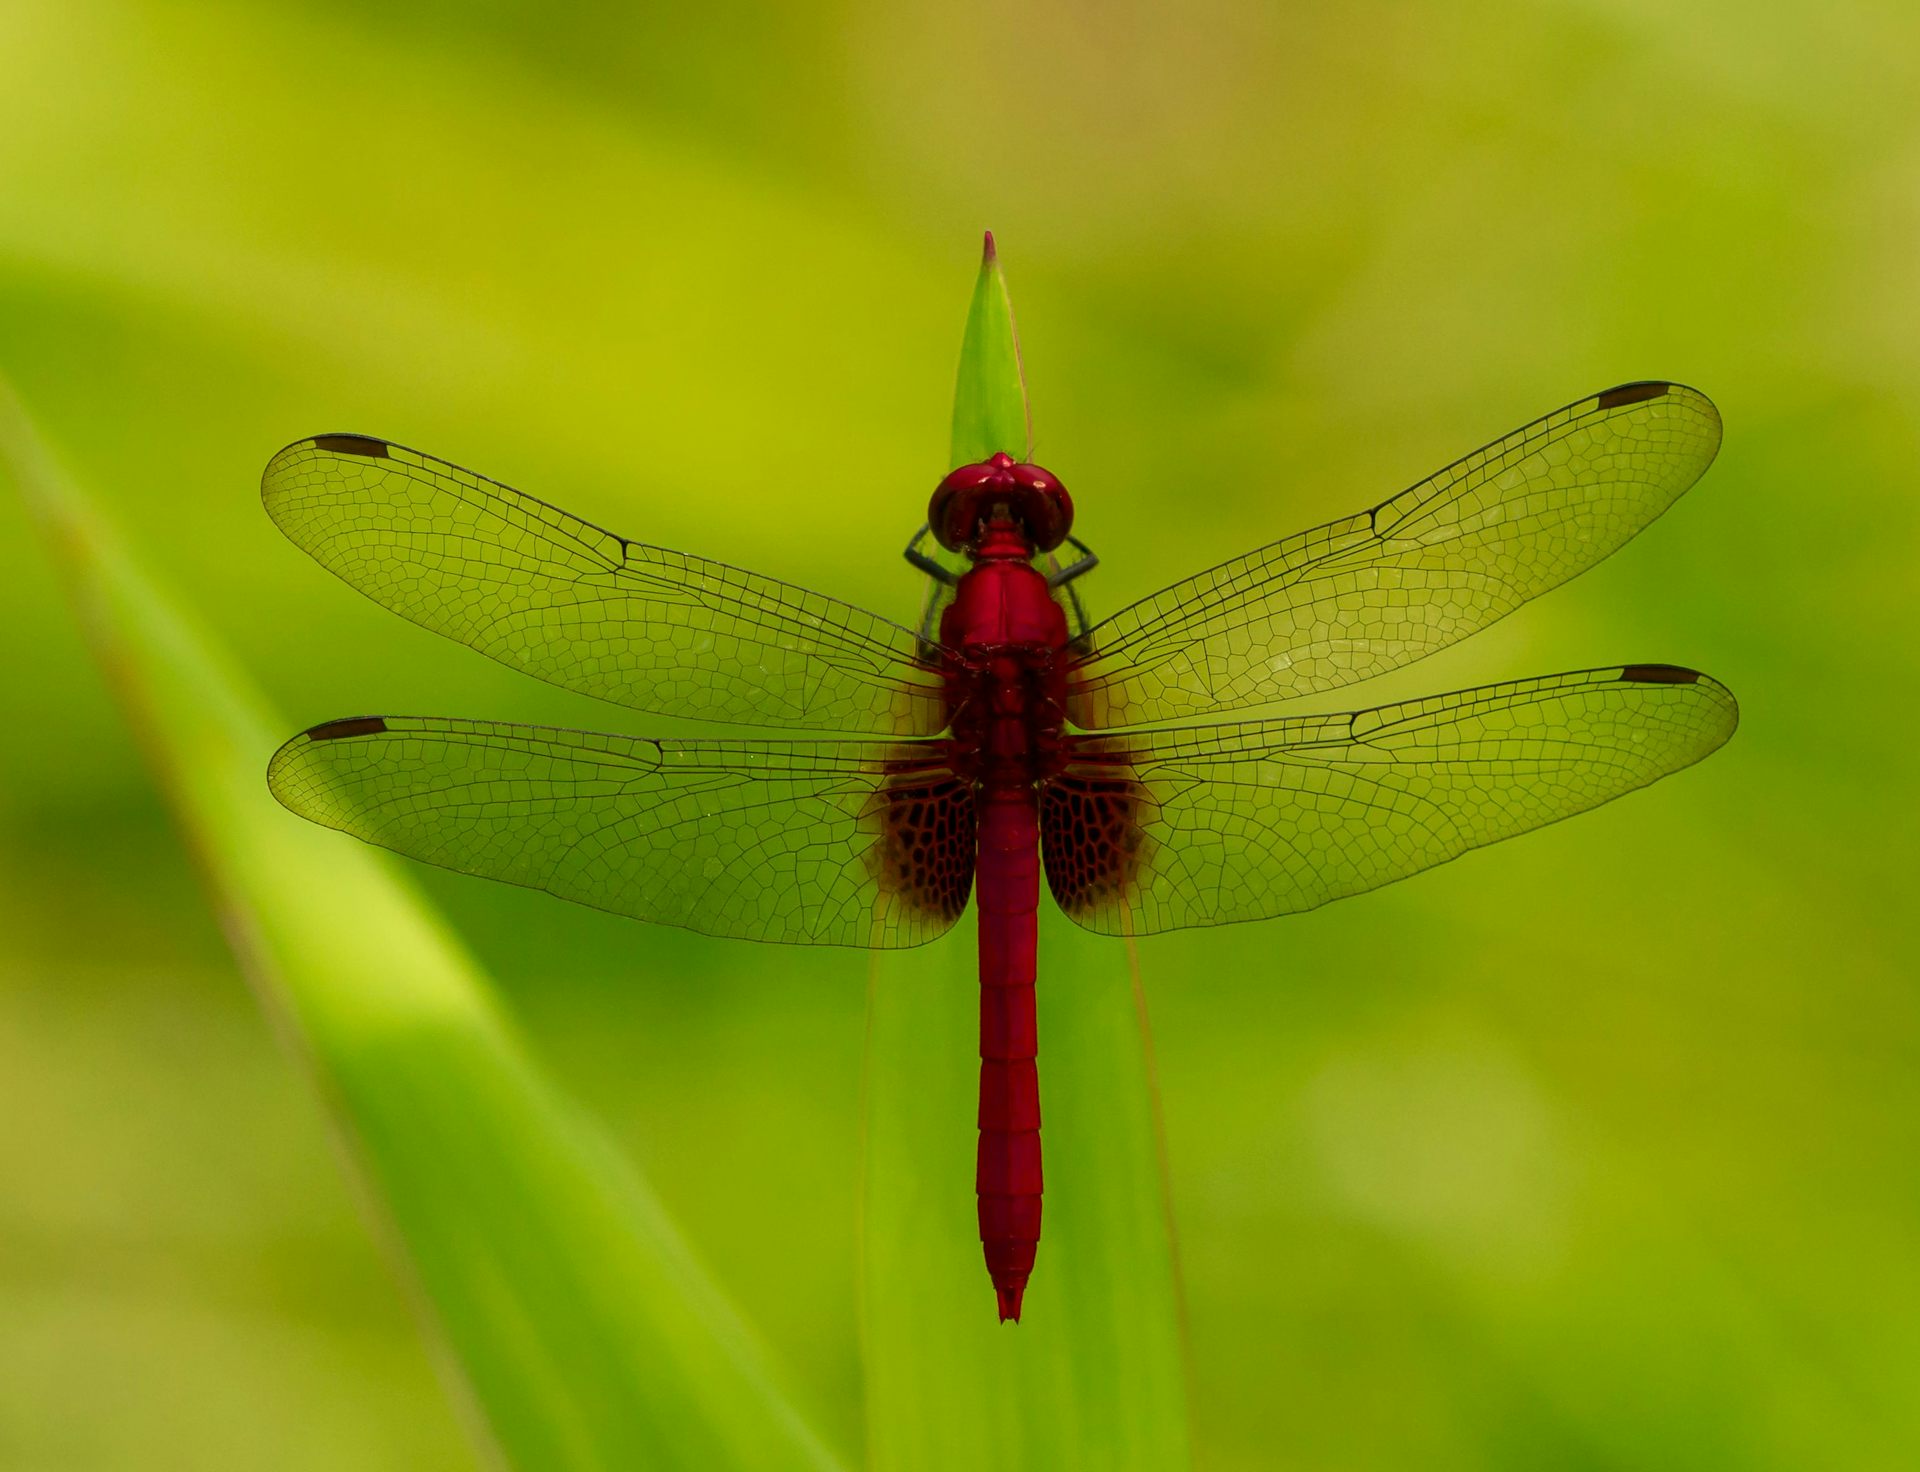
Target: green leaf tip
x=990 y=411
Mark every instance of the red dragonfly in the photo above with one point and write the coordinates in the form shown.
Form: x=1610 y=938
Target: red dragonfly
x=1000 y=740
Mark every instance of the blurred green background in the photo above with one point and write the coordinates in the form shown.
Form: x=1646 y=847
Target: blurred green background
x=1593 y=1150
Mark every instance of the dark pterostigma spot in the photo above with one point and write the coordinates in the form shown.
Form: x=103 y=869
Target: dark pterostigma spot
x=352 y=444
x=1659 y=674
x=351 y=726
x=1632 y=393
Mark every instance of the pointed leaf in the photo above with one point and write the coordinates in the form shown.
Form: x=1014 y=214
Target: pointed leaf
x=1093 y=1374
x=990 y=396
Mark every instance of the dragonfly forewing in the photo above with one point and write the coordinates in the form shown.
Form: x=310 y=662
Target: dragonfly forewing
x=1370 y=593
x=547 y=593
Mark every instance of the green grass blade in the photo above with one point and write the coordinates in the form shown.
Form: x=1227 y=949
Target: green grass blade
x=1093 y=1375
x=990 y=394
x=575 y=1329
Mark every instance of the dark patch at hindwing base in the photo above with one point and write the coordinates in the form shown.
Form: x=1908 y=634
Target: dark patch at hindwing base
x=925 y=827
x=1093 y=836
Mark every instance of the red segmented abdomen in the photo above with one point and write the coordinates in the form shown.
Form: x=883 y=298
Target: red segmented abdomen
x=1008 y=1179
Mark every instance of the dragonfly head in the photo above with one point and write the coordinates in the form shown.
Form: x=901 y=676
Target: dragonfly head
x=1000 y=491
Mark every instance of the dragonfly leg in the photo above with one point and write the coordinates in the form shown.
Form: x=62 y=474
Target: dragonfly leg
x=1064 y=577
x=1061 y=576
x=926 y=564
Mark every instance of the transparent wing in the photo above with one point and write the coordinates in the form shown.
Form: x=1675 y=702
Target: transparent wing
x=1358 y=597
x=557 y=597
x=845 y=843
x=1205 y=825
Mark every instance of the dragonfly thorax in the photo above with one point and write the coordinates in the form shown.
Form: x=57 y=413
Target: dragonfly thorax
x=1000 y=492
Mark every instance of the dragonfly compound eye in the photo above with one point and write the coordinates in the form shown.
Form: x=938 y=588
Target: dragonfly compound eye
x=971 y=494
x=965 y=497
x=1044 y=505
